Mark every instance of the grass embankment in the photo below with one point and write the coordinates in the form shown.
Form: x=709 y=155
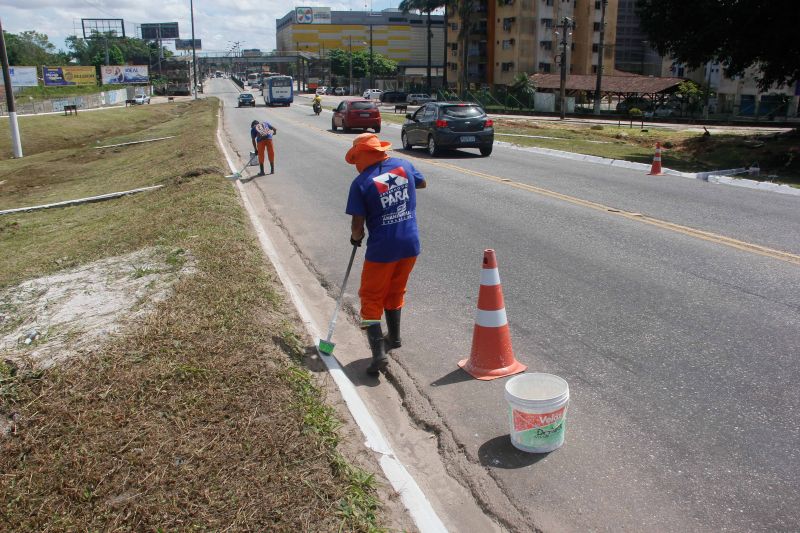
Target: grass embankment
x=199 y=416
x=43 y=93
x=685 y=150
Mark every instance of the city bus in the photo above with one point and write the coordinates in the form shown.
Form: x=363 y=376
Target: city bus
x=252 y=79
x=278 y=90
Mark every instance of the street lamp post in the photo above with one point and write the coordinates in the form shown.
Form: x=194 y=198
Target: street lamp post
x=566 y=26
x=600 y=57
x=194 y=53
x=350 y=46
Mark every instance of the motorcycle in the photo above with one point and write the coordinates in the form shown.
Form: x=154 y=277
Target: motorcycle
x=317 y=108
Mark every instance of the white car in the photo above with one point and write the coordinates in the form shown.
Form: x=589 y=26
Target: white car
x=142 y=99
x=371 y=94
x=418 y=98
x=340 y=91
x=321 y=90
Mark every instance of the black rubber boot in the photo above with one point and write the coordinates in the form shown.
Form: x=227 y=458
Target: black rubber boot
x=261 y=166
x=272 y=168
x=379 y=359
x=392 y=338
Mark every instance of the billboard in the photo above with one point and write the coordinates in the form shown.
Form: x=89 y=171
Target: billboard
x=186 y=44
x=21 y=76
x=55 y=76
x=160 y=30
x=313 y=15
x=99 y=28
x=124 y=74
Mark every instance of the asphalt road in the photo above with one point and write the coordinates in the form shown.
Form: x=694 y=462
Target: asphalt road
x=681 y=348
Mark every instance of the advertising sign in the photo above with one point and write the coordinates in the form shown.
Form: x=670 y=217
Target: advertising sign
x=160 y=30
x=21 y=76
x=124 y=74
x=313 y=15
x=55 y=76
x=186 y=44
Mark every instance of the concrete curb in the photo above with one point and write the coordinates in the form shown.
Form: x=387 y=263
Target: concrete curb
x=716 y=177
x=100 y=198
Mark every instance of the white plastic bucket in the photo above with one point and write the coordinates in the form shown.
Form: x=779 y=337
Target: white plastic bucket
x=537 y=411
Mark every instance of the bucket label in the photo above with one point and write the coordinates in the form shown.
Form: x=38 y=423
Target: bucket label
x=526 y=421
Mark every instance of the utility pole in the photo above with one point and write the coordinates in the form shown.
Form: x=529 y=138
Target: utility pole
x=371 y=61
x=597 y=97
x=12 y=111
x=350 y=46
x=566 y=27
x=194 y=53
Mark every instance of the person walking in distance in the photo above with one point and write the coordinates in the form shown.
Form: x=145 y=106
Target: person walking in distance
x=383 y=198
x=261 y=134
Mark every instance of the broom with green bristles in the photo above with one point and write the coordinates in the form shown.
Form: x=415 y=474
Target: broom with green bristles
x=325 y=345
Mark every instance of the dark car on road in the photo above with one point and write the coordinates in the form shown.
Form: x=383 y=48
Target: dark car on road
x=361 y=113
x=443 y=125
x=391 y=97
x=246 y=99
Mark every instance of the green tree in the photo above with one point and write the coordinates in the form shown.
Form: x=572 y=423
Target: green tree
x=340 y=63
x=31 y=48
x=736 y=33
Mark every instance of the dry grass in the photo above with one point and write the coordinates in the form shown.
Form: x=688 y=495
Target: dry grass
x=197 y=418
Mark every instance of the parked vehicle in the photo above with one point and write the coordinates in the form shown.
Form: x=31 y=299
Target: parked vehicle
x=321 y=90
x=341 y=91
x=662 y=112
x=419 y=98
x=372 y=94
x=246 y=99
x=442 y=125
x=391 y=97
x=279 y=90
x=142 y=99
x=361 y=114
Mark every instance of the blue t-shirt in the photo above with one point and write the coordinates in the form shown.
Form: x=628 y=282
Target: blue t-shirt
x=385 y=195
x=267 y=127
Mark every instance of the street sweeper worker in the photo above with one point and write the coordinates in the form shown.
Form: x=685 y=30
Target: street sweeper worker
x=383 y=197
x=261 y=134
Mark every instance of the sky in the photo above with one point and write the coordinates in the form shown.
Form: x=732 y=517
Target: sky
x=218 y=23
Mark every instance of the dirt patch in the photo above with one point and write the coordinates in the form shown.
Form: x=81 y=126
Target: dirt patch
x=52 y=318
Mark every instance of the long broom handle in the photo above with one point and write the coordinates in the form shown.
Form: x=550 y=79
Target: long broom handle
x=341 y=294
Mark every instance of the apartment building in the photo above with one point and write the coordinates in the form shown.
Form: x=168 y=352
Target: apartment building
x=513 y=36
x=396 y=35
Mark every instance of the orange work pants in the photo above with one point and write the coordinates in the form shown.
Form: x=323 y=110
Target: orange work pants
x=262 y=144
x=383 y=286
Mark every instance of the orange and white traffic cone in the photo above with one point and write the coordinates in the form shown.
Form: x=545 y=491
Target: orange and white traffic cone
x=492 y=355
x=655 y=170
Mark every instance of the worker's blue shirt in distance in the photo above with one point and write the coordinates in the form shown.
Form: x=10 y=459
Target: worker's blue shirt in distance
x=385 y=195
x=267 y=127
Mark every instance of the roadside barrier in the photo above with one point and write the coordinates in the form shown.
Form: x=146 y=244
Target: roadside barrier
x=655 y=170
x=492 y=355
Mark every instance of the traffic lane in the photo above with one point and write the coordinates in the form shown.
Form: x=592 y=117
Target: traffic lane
x=760 y=217
x=757 y=217
x=330 y=232
x=601 y=305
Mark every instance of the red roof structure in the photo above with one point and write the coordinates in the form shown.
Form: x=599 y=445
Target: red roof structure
x=627 y=85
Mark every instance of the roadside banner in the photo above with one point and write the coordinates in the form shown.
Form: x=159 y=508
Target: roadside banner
x=58 y=76
x=21 y=76
x=124 y=74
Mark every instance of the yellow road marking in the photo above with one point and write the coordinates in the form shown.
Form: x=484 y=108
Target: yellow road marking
x=638 y=217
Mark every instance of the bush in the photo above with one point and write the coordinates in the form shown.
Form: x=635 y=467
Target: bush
x=596 y=127
x=635 y=112
x=668 y=144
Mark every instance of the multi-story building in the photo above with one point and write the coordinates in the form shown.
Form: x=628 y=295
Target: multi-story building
x=632 y=50
x=396 y=35
x=513 y=36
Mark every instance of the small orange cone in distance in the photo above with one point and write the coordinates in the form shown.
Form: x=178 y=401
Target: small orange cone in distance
x=655 y=170
x=492 y=355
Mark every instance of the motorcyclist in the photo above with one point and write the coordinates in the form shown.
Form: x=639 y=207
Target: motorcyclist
x=317 y=104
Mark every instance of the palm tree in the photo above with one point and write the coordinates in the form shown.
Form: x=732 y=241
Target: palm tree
x=424 y=6
x=464 y=8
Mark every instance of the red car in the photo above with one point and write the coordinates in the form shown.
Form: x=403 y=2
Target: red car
x=361 y=113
